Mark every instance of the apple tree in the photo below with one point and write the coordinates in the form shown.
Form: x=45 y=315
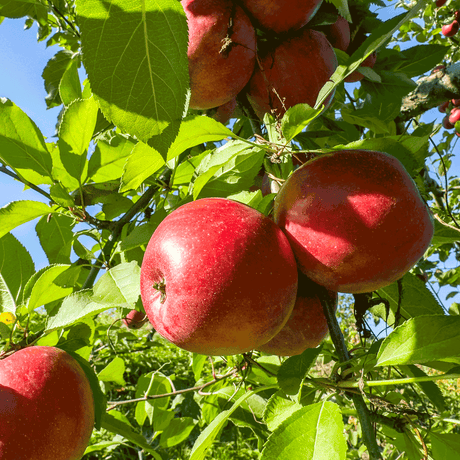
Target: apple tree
x=153 y=118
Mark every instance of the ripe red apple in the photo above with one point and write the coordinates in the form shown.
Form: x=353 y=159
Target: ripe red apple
x=338 y=33
x=135 y=319
x=355 y=220
x=443 y=107
x=225 y=111
x=457 y=15
x=46 y=406
x=446 y=123
x=221 y=51
x=449 y=30
x=438 y=68
x=292 y=73
x=281 y=15
x=454 y=115
x=440 y=3
x=358 y=76
x=307 y=325
x=218 y=277
x=455 y=102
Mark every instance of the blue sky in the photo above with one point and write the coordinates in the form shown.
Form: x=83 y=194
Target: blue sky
x=23 y=60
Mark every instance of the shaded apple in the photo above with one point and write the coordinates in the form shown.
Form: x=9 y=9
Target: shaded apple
x=355 y=220
x=358 y=76
x=135 y=319
x=455 y=102
x=46 y=406
x=446 y=123
x=218 y=277
x=338 y=33
x=291 y=73
x=307 y=325
x=440 y=3
x=281 y=15
x=221 y=51
x=224 y=112
x=443 y=107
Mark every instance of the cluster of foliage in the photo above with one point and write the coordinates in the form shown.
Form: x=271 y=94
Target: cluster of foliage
x=129 y=151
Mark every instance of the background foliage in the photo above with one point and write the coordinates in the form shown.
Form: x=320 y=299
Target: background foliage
x=128 y=151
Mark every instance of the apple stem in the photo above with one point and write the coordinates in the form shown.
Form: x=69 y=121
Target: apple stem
x=161 y=286
x=338 y=340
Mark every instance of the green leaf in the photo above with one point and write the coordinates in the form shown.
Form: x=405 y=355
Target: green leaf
x=141 y=85
x=19 y=8
x=235 y=175
x=444 y=234
x=75 y=133
x=296 y=118
x=119 y=286
x=208 y=435
x=177 y=431
x=314 y=432
x=421 y=58
x=141 y=164
x=196 y=130
x=7 y=303
x=278 y=409
x=19 y=212
x=153 y=383
x=70 y=86
x=445 y=446
x=16 y=265
x=107 y=161
x=113 y=372
x=55 y=237
x=52 y=75
x=118 y=426
x=293 y=371
x=74 y=308
x=22 y=146
x=420 y=340
x=431 y=389
x=197 y=365
x=416 y=300
x=47 y=288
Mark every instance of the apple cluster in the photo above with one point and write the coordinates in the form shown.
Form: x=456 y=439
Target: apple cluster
x=264 y=49
x=46 y=406
x=451 y=108
x=220 y=278
x=451 y=29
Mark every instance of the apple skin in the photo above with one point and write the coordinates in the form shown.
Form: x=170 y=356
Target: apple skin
x=292 y=73
x=280 y=15
x=355 y=220
x=443 y=107
x=446 y=123
x=217 y=75
x=307 y=325
x=229 y=274
x=358 y=76
x=135 y=319
x=46 y=406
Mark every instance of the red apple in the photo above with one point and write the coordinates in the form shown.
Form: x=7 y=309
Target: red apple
x=338 y=33
x=292 y=73
x=218 y=277
x=221 y=51
x=455 y=102
x=440 y=3
x=443 y=107
x=46 y=406
x=446 y=123
x=449 y=30
x=358 y=76
x=135 y=319
x=355 y=220
x=281 y=15
x=457 y=15
x=307 y=325
x=454 y=115
x=438 y=68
